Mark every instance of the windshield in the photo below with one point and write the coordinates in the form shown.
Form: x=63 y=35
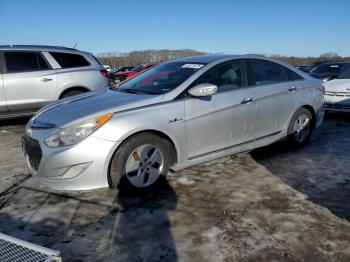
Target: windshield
x=345 y=74
x=326 y=68
x=160 y=79
x=138 y=68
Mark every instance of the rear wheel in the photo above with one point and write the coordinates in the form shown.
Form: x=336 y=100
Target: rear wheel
x=141 y=159
x=300 y=127
x=72 y=93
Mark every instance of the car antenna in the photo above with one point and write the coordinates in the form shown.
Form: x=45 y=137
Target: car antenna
x=75 y=45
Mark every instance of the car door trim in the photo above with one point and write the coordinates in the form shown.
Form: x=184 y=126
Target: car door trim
x=231 y=147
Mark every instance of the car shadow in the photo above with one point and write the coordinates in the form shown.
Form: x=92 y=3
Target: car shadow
x=14 y=121
x=320 y=170
x=112 y=225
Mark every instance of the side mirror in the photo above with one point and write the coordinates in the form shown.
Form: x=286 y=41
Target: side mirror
x=204 y=89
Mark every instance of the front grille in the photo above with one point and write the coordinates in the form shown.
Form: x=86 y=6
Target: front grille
x=32 y=149
x=339 y=94
x=336 y=106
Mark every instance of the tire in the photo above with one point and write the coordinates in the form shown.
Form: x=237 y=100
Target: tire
x=131 y=162
x=72 y=93
x=300 y=128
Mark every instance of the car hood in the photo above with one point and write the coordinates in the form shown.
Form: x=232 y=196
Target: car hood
x=89 y=105
x=338 y=85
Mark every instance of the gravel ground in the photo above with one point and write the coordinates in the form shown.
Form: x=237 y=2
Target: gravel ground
x=272 y=204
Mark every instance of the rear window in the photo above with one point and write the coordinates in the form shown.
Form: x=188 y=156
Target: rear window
x=97 y=60
x=266 y=72
x=17 y=62
x=293 y=76
x=66 y=60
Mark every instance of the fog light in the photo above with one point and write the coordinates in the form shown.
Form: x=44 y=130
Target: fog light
x=73 y=171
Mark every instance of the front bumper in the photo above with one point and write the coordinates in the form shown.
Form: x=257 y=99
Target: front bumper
x=337 y=102
x=79 y=167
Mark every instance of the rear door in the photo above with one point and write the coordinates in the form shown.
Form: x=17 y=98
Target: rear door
x=276 y=94
x=3 y=107
x=29 y=82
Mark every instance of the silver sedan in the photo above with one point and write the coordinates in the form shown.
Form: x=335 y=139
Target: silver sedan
x=175 y=115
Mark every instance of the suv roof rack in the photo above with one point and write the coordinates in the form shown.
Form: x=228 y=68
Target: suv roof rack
x=36 y=46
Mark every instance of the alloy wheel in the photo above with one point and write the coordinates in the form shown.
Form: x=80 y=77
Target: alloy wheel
x=301 y=128
x=144 y=165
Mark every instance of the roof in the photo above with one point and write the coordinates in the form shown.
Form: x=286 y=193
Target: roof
x=37 y=47
x=336 y=63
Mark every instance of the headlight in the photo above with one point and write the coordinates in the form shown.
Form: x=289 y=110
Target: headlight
x=75 y=133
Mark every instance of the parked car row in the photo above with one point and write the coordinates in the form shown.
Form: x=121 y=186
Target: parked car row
x=120 y=76
x=160 y=117
x=325 y=70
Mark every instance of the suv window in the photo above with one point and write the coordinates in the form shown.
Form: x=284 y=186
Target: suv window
x=66 y=60
x=266 y=72
x=227 y=76
x=17 y=62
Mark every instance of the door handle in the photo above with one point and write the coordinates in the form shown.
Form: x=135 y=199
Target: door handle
x=292 y=89
x=247 y=100
x=46 y=79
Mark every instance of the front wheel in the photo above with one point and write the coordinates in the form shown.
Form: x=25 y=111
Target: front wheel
x=300 y=128
x=141 y=159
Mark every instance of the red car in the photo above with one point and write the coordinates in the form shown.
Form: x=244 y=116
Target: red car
x=121 y=76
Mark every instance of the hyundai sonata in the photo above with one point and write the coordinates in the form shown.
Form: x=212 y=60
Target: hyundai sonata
x=172 y=116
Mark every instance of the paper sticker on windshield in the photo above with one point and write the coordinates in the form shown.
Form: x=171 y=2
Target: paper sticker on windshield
x=195 y=66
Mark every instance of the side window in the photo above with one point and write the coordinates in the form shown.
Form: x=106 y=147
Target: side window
x=42 y=63
x=66 y=60
x=227 y=76
x=17 y=62
x=266 y=72
x=293 y=76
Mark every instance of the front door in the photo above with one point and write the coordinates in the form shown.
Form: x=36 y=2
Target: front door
x=28 y=81
x=225 y=119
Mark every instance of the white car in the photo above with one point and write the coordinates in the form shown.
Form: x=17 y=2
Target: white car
x=337 y=95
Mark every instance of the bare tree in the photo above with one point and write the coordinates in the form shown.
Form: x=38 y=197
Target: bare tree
x=135 y=58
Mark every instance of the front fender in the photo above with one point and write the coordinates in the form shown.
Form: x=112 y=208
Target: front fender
x=156 y=118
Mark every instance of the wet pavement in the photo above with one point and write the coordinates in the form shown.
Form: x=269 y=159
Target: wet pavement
x=272 y=204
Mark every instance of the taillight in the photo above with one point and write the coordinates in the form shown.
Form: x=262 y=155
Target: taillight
x=321 y=89
x=104 y=73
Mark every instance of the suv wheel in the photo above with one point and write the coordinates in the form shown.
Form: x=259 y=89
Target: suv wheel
x=72 y=93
